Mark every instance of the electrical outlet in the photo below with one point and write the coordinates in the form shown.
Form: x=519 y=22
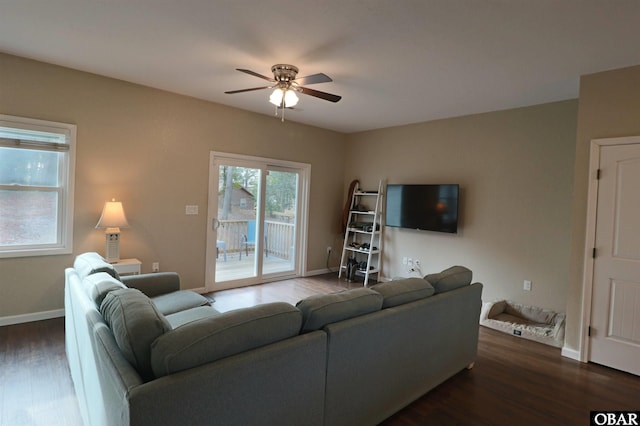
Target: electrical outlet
x=155 y=267
x=191 y=210
x=527 y=285
x=410 y=262
x=328 y=249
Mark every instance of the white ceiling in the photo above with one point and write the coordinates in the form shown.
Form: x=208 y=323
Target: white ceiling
x=394 y=62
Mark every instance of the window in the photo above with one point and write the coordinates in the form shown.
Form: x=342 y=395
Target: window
x=37 y=161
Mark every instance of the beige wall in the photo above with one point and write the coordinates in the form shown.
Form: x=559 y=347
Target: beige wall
x=515 y=170
x=609 y=106
x=150 y=149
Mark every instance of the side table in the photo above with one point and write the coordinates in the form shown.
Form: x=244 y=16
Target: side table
x=128 y=266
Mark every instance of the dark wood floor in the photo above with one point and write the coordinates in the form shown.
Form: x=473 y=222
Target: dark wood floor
x=514 y=381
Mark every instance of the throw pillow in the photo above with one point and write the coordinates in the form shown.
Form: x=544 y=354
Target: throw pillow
x=322 y=309
x=450 y=279
x=135 y=323
x=403 y=291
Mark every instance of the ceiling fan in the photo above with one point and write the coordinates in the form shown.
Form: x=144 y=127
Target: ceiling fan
x=286 y=85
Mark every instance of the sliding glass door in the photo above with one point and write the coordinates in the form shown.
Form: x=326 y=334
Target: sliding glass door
x=237 y=213
x=256 y=215
x=280 y=221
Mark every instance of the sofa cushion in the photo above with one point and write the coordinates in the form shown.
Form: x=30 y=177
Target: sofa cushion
x=230 y=333
x=154 y=284
x=322 y=309
x=403 y=291
x=181 y=318
x=450 y=279
x=91 y=263
x=180 y=300
x=135 y=323
x=99 y=285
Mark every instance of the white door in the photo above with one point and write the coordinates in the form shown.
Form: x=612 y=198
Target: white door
x=615 y=313
x=257 y=220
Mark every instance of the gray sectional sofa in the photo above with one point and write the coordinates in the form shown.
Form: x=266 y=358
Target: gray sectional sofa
x=143 y=352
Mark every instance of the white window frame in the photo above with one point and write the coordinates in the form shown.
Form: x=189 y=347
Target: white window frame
x=64 y=243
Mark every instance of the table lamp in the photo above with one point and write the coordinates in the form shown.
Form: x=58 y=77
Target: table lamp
x=112 y=219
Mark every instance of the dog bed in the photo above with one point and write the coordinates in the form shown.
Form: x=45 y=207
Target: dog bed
x=529 y=322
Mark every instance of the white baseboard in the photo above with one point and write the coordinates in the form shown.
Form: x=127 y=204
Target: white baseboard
x=202 y=290
x=36 y=316
x=328 y=271
x=307 y=274
x=318 y=272
x=571 y=353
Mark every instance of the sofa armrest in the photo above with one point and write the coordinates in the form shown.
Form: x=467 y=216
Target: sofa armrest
x=153 y=284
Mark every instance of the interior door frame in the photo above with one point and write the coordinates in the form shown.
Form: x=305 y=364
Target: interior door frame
x=212 y=209
x=590 y=240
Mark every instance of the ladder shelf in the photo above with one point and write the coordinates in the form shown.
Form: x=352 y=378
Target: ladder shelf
x=362 y=247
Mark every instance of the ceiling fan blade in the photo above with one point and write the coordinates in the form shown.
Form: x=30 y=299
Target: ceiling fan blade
x=313 y=79
x=319 y=94
x=231 y=92
x=255 y=74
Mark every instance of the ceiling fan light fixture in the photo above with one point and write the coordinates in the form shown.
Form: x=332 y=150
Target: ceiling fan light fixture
x=276 y=97
x=290 y=98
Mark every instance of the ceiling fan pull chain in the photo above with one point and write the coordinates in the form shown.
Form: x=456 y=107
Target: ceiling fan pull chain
x=283 y=108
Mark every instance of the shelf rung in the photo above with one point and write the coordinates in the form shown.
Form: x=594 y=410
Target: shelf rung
x=362 y=271
x=362 y=251
x=363 y=232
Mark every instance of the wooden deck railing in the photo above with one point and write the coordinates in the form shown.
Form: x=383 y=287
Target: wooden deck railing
x=279 y=237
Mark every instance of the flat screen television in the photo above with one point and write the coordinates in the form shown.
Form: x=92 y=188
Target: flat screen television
x=423 y=207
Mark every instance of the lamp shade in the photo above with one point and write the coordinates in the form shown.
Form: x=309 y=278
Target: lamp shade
x=290 y=99
x=276 y=97
x=113 y=216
